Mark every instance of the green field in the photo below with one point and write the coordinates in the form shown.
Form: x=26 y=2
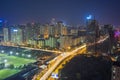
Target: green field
x=4 y=73
x=17 y=61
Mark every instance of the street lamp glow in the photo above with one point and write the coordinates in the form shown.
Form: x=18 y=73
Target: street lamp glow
x=89 y=17
x=5 y=60
x=17 y=53
x=29 y=56
x=15 y=30
x=2 y=51
x=23 y=54
x=11 y=52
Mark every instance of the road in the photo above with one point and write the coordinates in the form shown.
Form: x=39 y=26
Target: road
x=55 y=73
x=59 y=59
x=35 y=49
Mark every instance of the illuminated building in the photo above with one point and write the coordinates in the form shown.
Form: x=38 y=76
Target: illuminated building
x=76 y=40
x=61 y=29
x=92 y=33
x=46 y=31
x=69 y=41
x=6 y=34
x=65 y=42
x=52 y=30
x=51 y=42
x=2 y=25
x=115 y=73
x=82 y=32
x=53 y=22
x=58 y=27
x=73 y=31
x=42 y=30
x=22 y=27
x=29 y=32
x=110 y=31
x=41 y=43
x=32 y=31
x=16 y=35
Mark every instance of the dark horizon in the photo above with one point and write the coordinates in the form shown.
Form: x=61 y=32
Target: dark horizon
x=69 y=11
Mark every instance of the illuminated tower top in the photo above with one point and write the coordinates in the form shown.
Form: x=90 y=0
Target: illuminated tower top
x=89 y=17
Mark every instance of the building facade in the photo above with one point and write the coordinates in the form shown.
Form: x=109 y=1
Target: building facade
x=16 y=36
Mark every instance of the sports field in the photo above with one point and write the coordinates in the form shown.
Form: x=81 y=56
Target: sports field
x=17 y=61
x=4 y=73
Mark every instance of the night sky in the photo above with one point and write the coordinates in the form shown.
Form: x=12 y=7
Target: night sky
x=69 y=11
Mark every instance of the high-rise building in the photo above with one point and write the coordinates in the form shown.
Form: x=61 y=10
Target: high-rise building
x=41 y=43
x=110 y=31
x=51 y=42
x=65 y=42
x=22 y=27
x=53 y=21
x=32 y=31
x=92 y=35
x=16 y=36
x=115 y=73
x=73 y=31
x=6 y=34
x=46 y=30
x=52 y=30
x=2 y=25
x=29 y=31
x=61 y=29
x=42 y=30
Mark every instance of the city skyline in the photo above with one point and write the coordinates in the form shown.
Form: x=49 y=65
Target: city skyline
x=70 y=12
x=59 y=39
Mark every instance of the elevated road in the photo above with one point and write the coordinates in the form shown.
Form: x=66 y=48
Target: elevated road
x=59 y=59
x=34 y=49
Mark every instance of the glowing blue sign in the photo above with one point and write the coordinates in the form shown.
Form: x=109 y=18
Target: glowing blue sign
x=1 y=21
x=55 y=76
x=89 y=17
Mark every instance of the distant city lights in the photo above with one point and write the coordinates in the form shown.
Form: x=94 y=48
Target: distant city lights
x=117 y=33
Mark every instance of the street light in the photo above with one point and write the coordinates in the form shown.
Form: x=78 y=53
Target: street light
x=23 y=54
x=2 y=51
x=15 y=30
x=5 y=60
x=11 y=52
x=17 y=53
x=29 y=56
